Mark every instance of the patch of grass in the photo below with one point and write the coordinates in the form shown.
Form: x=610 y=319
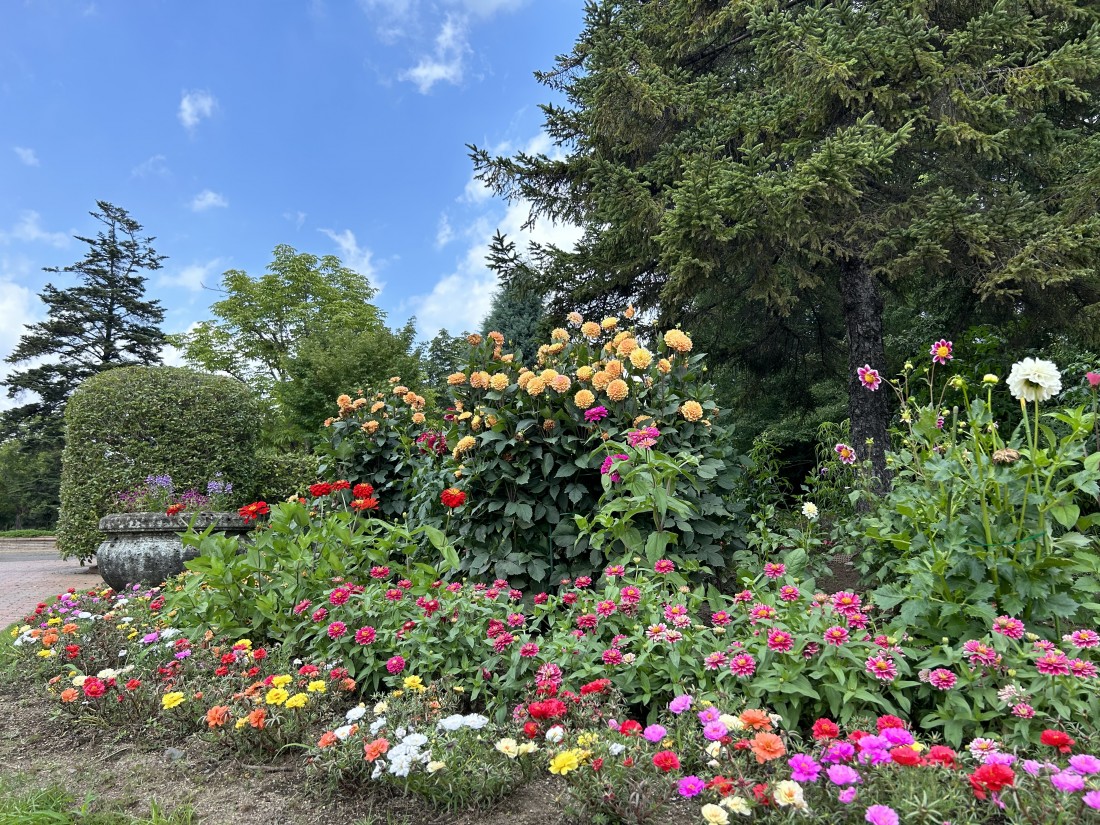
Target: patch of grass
x=25 y=534
x=21 y=805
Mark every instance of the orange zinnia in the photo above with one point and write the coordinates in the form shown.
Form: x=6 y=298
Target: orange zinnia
x=258 y=718
x=756 y=719
x=217 y=716
x=767 y=746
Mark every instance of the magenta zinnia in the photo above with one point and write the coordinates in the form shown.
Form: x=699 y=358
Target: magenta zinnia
x=941 y=351
x=869 y=378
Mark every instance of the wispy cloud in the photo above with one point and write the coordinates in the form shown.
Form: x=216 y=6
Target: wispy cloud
x=194 y=276
x=445 y=233
x=447 y=60
x=156 y=166
x=207 y=199
x=297 y=218
x=354 y=256
x=18 y=309
x=194 y=106
x=27 y=157
x=28 y=229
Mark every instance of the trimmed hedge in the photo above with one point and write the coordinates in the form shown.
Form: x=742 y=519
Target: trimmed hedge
x=128 y=423
x=283 y=474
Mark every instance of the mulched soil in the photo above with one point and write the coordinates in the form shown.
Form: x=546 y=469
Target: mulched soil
x=126 y=773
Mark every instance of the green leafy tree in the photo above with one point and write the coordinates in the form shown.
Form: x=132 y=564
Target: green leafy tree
x=444 y=355
x=345 y=360
x=28 y=486
x=101 y=323
x=517 y=309
x=729 y=156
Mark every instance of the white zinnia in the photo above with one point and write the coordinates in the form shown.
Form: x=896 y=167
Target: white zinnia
x=1034 y=380
x=809 y=510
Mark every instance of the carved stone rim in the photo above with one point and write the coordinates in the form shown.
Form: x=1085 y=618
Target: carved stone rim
x=162 y=522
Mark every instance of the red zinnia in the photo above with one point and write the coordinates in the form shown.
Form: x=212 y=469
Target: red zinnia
x=362 y=491
x=364 y=504
x=452 y=497
x=174 y=508
x=1058 y=739
x=992 y=778
x=254 y=510
x=322 y=488
x=666 y=761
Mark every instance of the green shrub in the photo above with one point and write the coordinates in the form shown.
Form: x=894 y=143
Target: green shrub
x=24 y=534
x=282 y=474
x=126 y=424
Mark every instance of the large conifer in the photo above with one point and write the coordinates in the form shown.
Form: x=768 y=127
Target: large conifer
x=102 y=322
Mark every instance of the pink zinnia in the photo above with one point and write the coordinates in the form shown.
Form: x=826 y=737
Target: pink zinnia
x=762 y=611
x=980 y=653
x=615 y=571
x=336 y=630
x=836 y=635
x=743 y=664
x=612 y=656
x=365 y=635
x=869 y=378
x=780 y=641
x=720 y=618
x=339 y=596
x=1023 y=710
x=789 y=593
x=1082 y=669
x=1083 y=638
x=942 y=679
x=716 y=660
x=630 y=595
x=302 y=607
x=882 y=667
x=502 y=641
x=605 y=608
x=395 y=664
x=379 y=572
x=529 y=650
x=664 y=566
x=319 y=614
x=846 y=603
x=1008 y=626
x=774 y=571
x=941 y=351
x=587 y=621
x=1053 y=664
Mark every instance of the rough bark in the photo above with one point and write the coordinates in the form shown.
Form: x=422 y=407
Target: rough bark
x=869 y=411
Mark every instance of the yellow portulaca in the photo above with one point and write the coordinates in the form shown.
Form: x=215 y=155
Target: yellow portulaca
x=298 y=700
x=276 y=696
x=565 y=762
x=171 y=700
x=282 y=680
x=317 y=686
x=414 y=683
x=509 y=747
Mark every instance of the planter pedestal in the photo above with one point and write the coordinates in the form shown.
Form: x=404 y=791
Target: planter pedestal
x=146 y=547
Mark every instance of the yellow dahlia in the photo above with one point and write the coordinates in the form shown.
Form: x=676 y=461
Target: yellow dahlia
x=614 y=368
x=549 y=424
x=496 y=337
x=628 y=313
x=601 y=379
x=410 y=397
x=400 y=389
x=617 y=390
x=590 y=329
x=641 y=358
x=499 y=382
x=479 y=380
x=691 y=410
x=343 y=401
x=548 y=375
x=677 y=340
x=535 y=386
x=609 y=323
x=555 y=348
x=627 y=346
x=370 y=427
x=418 y=418
x=665 y=366
x=473 y=339
x=559 y=334
x=574 y=318
x=585 y=373
x=456 y=378
x=464 y=445
x=524 y=377
x=584 y=399
x=560 y=384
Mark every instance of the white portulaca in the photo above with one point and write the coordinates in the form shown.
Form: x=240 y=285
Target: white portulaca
x=356 y=713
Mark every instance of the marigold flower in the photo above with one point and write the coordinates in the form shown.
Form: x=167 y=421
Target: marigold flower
x=691 y=410
x=618 y=390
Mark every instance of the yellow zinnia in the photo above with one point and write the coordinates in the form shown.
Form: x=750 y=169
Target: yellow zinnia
x=171 y=700
x=276 y=696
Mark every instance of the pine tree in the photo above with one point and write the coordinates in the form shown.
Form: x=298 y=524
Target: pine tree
x=803 y=157
x=101 y=323
x=517 y=308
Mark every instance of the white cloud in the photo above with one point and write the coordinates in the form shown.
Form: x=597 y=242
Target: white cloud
x=207 y=199
x=18 y=308
x=156 y=166
x=29 y=230
x=461 y=299
x=194 y=106
x=27 y=157
x=354 y=256
x=297 y=218
x=447 y=61
x=193 y=276
x=445 y=233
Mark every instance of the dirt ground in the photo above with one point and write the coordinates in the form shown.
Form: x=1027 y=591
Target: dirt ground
x=219 y=789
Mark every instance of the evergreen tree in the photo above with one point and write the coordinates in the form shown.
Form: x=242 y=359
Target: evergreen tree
x=517 y=310
x=762 y=163
x=444 y=354
x=101 y=323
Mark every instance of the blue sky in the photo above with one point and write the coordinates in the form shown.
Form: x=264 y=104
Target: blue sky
x=226 y=128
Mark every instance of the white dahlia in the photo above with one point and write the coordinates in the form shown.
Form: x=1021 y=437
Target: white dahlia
x=1034 y=380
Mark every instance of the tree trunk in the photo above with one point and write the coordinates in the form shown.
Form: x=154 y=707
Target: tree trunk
x=869 y=411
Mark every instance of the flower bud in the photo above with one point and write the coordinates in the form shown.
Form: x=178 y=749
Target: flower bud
x=990 y=378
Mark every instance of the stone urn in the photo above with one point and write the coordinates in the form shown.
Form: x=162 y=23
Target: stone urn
x=147 y=548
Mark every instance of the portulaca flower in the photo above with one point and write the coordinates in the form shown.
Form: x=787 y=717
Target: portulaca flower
x=555 y=734
x=451 y=723
x=356 y=713
x=342 y=732
x=377 y=725
x=616 y=748
x=475 y=721
x=1034 y=380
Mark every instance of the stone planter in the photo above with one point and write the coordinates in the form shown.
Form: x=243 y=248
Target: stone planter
x=146 y=547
